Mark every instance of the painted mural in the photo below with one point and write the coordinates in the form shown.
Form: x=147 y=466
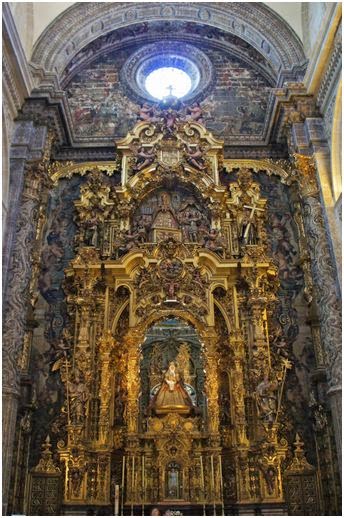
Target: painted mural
x=238 y=103
x=51 y=313
x=101 y=108
x=98 y=102
x=290 y=335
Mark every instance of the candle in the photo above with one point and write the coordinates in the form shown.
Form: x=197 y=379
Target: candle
x=132 y=484
x=212 y=472
x=213 y=481
x=143 y=484
x=220 y=467
x=116 y=499
x=123 y=470
x=221 y=483
x=203 y=488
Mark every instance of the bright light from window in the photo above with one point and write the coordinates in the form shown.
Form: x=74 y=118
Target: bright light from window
x=166 y=81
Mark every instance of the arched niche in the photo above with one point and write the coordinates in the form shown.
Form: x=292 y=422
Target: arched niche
x=171 y=210
x=171 y=340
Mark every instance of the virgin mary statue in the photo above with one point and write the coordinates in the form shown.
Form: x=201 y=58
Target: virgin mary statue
x=172 y=396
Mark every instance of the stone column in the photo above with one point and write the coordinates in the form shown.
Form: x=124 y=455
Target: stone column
x=27 y=145
x=303 y=125
x=325 y=286
x=16 y=305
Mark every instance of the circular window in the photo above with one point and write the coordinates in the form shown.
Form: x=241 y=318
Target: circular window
x=180 y=69
x=166 y=81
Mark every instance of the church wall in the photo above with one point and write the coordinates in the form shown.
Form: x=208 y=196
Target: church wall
x=236 y=105
x=313 y=15
x=51 y=314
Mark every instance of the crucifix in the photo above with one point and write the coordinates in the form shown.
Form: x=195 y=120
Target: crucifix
x=170 y=88
x=254 y=208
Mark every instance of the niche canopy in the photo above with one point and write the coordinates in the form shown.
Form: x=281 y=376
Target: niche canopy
x=153 y=72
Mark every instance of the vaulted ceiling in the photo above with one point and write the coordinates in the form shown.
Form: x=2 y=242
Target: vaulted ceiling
x=32 y=18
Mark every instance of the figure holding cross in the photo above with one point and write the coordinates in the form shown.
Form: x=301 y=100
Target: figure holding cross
x=248 y=228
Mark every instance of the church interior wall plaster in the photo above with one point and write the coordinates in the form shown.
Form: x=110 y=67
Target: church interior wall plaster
x=236 y=104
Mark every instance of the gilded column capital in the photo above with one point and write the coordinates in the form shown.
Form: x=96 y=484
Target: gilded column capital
x=305 y=174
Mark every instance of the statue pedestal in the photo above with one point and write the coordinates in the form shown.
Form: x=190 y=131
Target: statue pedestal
x=169 y=409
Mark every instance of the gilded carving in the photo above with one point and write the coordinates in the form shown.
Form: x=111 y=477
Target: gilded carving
x=169 y=247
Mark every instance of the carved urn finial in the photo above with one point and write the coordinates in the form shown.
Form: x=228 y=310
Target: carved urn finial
x=46 y=463
x=299 y=462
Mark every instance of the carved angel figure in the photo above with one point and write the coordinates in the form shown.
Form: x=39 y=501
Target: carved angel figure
x=144 y=158
x=195 y=112
x=195 y=157
x=146 y=113
x=212 y=240
x=170 y=117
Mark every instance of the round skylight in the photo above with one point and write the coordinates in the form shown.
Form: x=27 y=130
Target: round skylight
x=158 y=70
x=165 y=81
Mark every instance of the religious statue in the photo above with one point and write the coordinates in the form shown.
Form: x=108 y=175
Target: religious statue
x=144 y=158
x=164 y=216
x=248 y=229
x=195 y=112
x=91 y=233
x=195 y=157
x=267 y=400
x=129 y=240
x=212 y=240
x=269 y=473
x=170 y=117
x=78 y=396
x=172 y=396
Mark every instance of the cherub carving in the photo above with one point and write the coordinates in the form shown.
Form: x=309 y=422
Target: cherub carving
x=195 y=112
x=146 y=113
x=144 y=157
x=194 y=156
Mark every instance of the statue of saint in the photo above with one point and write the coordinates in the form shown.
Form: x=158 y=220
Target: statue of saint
x=172 y=396
x=164 y=216
x=267 y=400
x=248 y=229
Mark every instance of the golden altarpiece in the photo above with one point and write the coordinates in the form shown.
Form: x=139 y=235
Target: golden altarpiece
x=173 y=396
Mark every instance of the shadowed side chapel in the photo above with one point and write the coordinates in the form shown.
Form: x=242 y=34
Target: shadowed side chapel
x=171 y=258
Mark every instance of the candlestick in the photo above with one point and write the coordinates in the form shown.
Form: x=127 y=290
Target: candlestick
x=143 y=484
x=132 y=485
x=221 y=485
x=123 y=471
x=213 y=481
x=116 y=499
x=203 y=488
